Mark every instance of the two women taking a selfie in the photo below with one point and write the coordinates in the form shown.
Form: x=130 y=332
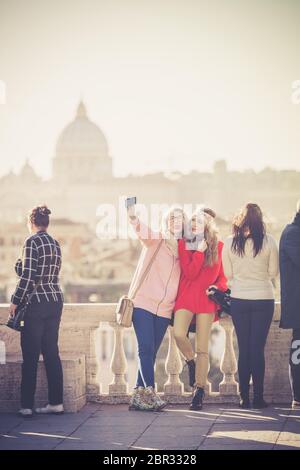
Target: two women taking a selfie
x=185 y=258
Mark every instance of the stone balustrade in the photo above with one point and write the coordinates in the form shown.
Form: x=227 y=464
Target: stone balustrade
x=79 y=334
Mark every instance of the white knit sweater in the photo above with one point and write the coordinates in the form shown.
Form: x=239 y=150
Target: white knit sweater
x=250 y=277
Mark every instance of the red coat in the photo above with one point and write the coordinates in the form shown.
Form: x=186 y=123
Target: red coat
x=195 y=278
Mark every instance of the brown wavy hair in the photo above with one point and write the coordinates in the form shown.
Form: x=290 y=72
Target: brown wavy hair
x=248 y=224
x=211 y=236
x=39 y=216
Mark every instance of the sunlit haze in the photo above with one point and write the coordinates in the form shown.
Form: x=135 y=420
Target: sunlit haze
x=174 y=85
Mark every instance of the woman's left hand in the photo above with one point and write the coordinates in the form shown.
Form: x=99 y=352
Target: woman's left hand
x=208 y=290
x=12 y=310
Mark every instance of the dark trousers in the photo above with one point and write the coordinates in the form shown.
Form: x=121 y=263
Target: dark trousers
x=295 y=364
x=150 y=331
x=252 y=320
x=40 y=335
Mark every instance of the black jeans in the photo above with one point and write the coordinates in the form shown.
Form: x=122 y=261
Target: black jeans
x=40 y=335
x=252 y=320
x=295 y=364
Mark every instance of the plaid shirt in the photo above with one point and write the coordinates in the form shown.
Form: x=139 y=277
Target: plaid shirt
x=41 y=259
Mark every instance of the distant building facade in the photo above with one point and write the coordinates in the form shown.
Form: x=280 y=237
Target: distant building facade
x=82 y=179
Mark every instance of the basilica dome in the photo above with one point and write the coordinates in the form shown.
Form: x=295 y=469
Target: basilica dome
x=82 y=154
x=81 y=137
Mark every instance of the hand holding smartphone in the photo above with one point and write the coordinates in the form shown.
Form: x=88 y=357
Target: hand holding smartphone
x=130 y=203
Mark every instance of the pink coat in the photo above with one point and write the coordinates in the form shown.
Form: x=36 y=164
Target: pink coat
x=158 y=291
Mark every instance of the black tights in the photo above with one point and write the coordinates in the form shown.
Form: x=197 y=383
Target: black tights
x=252 y=320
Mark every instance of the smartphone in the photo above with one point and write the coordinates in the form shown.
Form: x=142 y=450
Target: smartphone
x=130 y=201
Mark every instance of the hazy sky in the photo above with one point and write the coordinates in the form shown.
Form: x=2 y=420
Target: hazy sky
x=173 y=84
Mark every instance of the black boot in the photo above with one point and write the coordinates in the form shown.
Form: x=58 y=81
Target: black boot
x=197 y=400
x=245 y=402
x=244 y=397
x=192 y=372
x=259 y=403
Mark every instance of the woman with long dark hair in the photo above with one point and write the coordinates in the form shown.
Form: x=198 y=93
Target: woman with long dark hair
x=250 y=260
x=40 y=264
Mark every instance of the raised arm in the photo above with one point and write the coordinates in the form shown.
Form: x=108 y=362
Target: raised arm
x=30 y=262
x=147 y=236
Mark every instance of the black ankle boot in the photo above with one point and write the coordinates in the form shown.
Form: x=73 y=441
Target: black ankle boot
x=192 y=372
x=245 y=403
x=197 y=401
x=259 y=403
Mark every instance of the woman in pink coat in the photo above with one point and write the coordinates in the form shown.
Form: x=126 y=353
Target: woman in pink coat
x=155 y=299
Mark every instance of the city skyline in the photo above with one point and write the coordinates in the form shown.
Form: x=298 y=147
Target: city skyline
x=173 y=85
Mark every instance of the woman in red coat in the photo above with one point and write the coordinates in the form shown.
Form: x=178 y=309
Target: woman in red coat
x=201 y=268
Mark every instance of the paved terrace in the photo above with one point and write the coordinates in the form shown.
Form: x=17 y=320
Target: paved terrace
x=112 y=427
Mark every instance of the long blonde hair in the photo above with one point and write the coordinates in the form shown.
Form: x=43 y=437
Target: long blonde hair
x=211 y=235
x=170 y=240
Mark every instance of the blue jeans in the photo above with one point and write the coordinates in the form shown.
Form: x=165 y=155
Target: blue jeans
x=150 y=330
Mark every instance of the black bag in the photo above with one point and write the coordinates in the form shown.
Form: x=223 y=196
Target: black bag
x=222 y=299
x=17 y=321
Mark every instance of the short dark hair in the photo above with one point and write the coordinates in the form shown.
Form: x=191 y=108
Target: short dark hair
x=39 y=216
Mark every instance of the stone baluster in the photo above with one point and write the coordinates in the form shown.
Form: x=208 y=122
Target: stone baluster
x=118 y=386
x=92 y=366
x=173 y=386
x=228 y=386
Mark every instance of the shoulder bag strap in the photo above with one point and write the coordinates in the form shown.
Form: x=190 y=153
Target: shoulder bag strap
x=145 y=273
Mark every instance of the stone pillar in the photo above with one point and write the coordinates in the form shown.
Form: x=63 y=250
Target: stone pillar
x=92 y=366
x=119 y=386
x=229 y=385
x=173 y=386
